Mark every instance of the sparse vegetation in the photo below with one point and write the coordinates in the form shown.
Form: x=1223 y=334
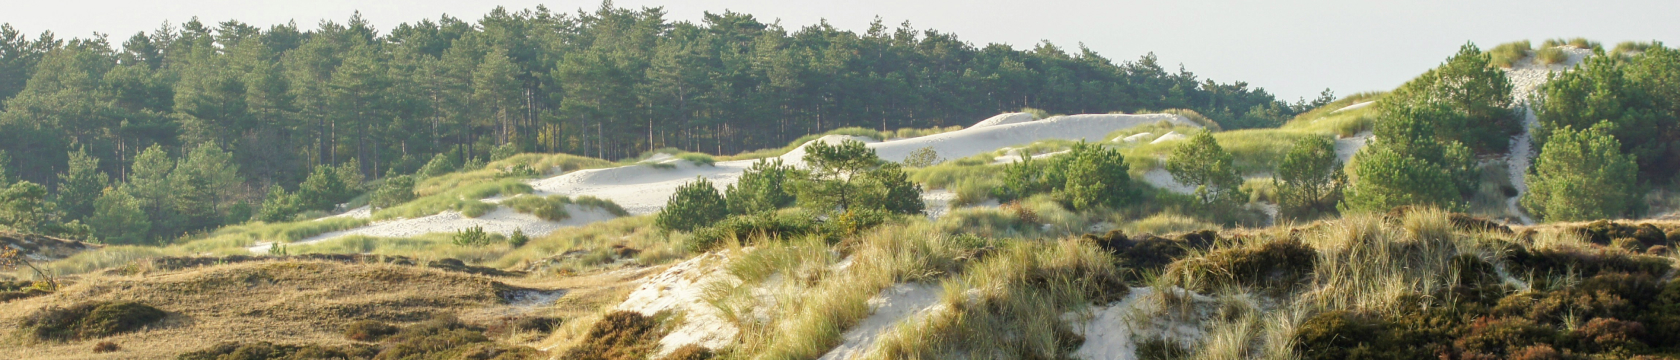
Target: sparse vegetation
x=1508 y=54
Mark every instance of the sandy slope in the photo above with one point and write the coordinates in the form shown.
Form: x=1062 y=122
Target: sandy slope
x=1526 y=78
x=503 y=221
x=893 y=306
x=680 y=289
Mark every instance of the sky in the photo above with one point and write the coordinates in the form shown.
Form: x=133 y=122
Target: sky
x=1291 y=48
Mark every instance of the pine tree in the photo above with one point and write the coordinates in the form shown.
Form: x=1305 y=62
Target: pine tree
x=204 y=182
x=1309 y=180
x=148 y=182
x=1096 y=177
x=118 y=219
x=1202 y=163
x=694 y=205
x=762 y=188
x=80 y=184
x=1583 y=175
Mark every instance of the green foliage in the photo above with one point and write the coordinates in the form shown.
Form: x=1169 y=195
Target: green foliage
x=923 y=157
x=1551 y=55
x=394 y=191
x=1582 y=175
x=328 y=186
x=834 y=171
x=745 y=228
x=5 y=162
x=698 y=159
x=504 y=151
x=440 y=164
x=1410 y=165
x=23 y=207
x=89 y=320
x=1508 y=54
x=1629 y=47
x=79 y=185
x=1309 y=181
x=551 y=208
x=694 y=205
x=473 y=236
x=761 y=188
x=1096 y=177
x=518 y=238
x=1578 y=43
x=1031 y=176
x=1387 y=179
x=889 y=188
x=278 y=205
x=1466 y=99
x=1638 y=95
x=599 y=203
x=118 y=219
x=204 y=183
x=1202 y=163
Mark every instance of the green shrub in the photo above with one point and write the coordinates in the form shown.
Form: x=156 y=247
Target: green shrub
x=394 y=191
x=744 y=228
x=1202 y=163
x=1097 y=177
x=1582 y=175
x=1633 y=95
x=519 y=238
x=694 y=205
x=1310 y=180
x=473 y=236
x=889 y=188
x=923 y=157
x=1465 y=100
x=89 y=320
x=1628 y=47
x=440 y=164
x=762 y=188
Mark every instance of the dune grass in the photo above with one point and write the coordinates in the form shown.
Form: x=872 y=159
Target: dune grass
x=1253 y=151
x=1509 y=54
x=1551 y=55
x=1630 y=47
x=465 y=199
x=877 y=135
x=1578 y=43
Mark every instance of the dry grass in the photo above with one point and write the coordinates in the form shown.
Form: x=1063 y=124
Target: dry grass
x=289 y=302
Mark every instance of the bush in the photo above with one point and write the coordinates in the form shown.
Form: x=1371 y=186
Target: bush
x=519 y=238
x=1278 y=264
x=1634 y=95
x=621 y=335
x=689 y=352
x=1551 y=55
x=90 y=320
x=923 y=157
x=743 y=228
x=264 y=350
x=694 y=205
x=889 y=188
x=1465 y=100
x=1310 y=179
x=762 y=188
x=1097 y=177
x=1582 y=175
x=473 y=236
x=368 y=330
x=394 y=191
x=698 y=159
x=440 y=164
x=105 y=347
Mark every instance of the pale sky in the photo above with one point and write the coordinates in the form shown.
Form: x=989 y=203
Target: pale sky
x=1291 y=48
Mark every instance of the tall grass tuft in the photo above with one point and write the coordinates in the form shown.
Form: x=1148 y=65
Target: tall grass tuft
x=1552 y=55
x=1508 y=54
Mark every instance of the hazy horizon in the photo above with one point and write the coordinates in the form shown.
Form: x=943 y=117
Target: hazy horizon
x=1293 y=49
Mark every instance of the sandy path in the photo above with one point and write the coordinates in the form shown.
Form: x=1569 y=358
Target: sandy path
x=893 y=306
x=1527 y=76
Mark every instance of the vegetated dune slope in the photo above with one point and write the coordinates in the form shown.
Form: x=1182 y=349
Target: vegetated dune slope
x=1526 y=78
x=644 y=188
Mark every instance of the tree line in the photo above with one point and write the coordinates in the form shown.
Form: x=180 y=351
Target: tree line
x=609 y=83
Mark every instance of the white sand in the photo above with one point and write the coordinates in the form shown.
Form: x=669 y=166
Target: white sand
x=1526 y=78
x=644 y=188
x=680 y=289
x=1354 y=106
x=1169 y=136
x=1136 y=137
x=1113 y=331
x=895 y=305
x=1160 y=178
x=1015 y=156
x=503 y=221
x=1347 y=146
x=1003 y=119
